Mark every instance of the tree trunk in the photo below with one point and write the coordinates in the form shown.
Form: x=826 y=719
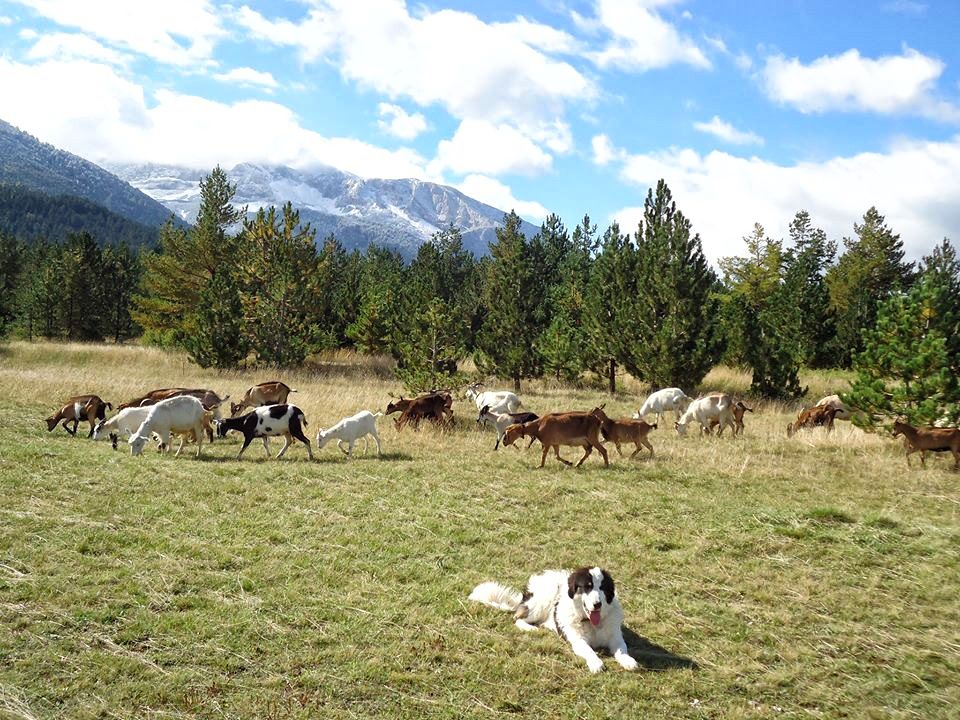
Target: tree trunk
x=613 y=376
x=516 y=384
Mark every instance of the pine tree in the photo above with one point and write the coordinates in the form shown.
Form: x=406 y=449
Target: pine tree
x=672 y=337
x=380 y=320
x=12 y=258
x=871 y=270
x=430 y=353
x=565 y=343
x=807 y=263
x=82 y=275
x=123 y=269
x=506 y=343
x=217 y=339
x=611 y=287
x=762 y=322
x=175 y=277
x=905 y=369
x=278 y=277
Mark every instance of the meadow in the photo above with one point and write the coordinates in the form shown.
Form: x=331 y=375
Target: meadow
x=761 y=577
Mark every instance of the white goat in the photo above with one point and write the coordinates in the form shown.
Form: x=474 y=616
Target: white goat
x=499 y=401
x=177 y=414
x=124 y=423
x=663 y=400
x=834 y=401
x=716 y=406
x=350 y=430
x=501 y=421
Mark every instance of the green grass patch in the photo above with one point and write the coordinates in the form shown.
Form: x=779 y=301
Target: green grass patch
x=762 y=577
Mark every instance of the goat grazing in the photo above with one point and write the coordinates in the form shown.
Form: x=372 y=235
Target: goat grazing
x=739 y=408
x=501 y=421
x=556 y=429
x=816 y=416
x=663 y=400
x=180 y=414
x=80 y=407
x=843 y=412
x=498 y=401
x=435 y=406
x=266 y=393
x=924 y=440
x=625 y=430
x=716 y=406
x=350 y=430
x=266 y=422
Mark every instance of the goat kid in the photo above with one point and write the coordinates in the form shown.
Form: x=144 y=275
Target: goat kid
x=716 y=406
x=350 y=430
x=625 y=430
x=266 y=422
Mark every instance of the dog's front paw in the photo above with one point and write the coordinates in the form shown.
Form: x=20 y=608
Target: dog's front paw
x=627 y=662
x=595 y=664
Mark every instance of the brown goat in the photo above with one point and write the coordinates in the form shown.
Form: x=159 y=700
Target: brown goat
x=266 y=393
x=80 y=407
x=816 y=416
x=924 y=440
x=556 y=429
x=625 y=430
x=434 y=406
x=739 y=408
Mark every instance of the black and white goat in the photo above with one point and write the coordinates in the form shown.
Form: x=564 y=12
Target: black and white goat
x=266 y=422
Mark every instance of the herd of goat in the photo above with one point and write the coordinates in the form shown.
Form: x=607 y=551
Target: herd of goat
x=192 y=414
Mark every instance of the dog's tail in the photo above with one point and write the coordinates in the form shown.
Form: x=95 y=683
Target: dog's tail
x=497 y=596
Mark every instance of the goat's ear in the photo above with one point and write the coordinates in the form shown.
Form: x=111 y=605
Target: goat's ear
x=602 y=406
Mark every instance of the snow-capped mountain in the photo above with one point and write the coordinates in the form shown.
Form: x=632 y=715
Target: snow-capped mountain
x=399 y=214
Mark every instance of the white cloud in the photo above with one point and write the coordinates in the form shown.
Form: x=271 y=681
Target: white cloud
x=603 y=150
x=448 y=58
x=496 y=194
x=889 y=84
x=913 y=184
x=6 y=20
x=176 y=32
x=536 y=35
x=172 y=128
x=482 y=147
x=70 y=46
x=641 y=38
x=247 y=77
x=728 y=133
x=743 y=61
x=28 y=34
x=396 y=121
x=905 y=7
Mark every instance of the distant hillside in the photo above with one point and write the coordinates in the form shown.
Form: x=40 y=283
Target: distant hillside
x=35 y=165
x=30 y=215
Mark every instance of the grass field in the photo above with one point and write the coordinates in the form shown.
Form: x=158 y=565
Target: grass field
x=815 y=577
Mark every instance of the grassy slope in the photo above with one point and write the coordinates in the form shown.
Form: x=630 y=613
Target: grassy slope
x=764 y=577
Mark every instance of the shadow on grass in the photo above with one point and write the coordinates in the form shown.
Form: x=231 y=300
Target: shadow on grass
x=654 y=657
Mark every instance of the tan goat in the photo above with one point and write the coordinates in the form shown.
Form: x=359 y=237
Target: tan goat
x=625 y=430
x=816 y=416
x=266 y=393
x=924 y=440
x=556 y=429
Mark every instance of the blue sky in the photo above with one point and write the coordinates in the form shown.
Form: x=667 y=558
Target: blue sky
x=750 y=110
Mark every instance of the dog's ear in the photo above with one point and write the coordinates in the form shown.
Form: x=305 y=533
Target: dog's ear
x=571 y=585
x=606 y=585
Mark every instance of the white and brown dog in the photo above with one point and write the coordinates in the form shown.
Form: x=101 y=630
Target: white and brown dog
x=580 y=606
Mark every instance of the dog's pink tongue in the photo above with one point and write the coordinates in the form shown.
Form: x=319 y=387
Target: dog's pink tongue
x=594 y=617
